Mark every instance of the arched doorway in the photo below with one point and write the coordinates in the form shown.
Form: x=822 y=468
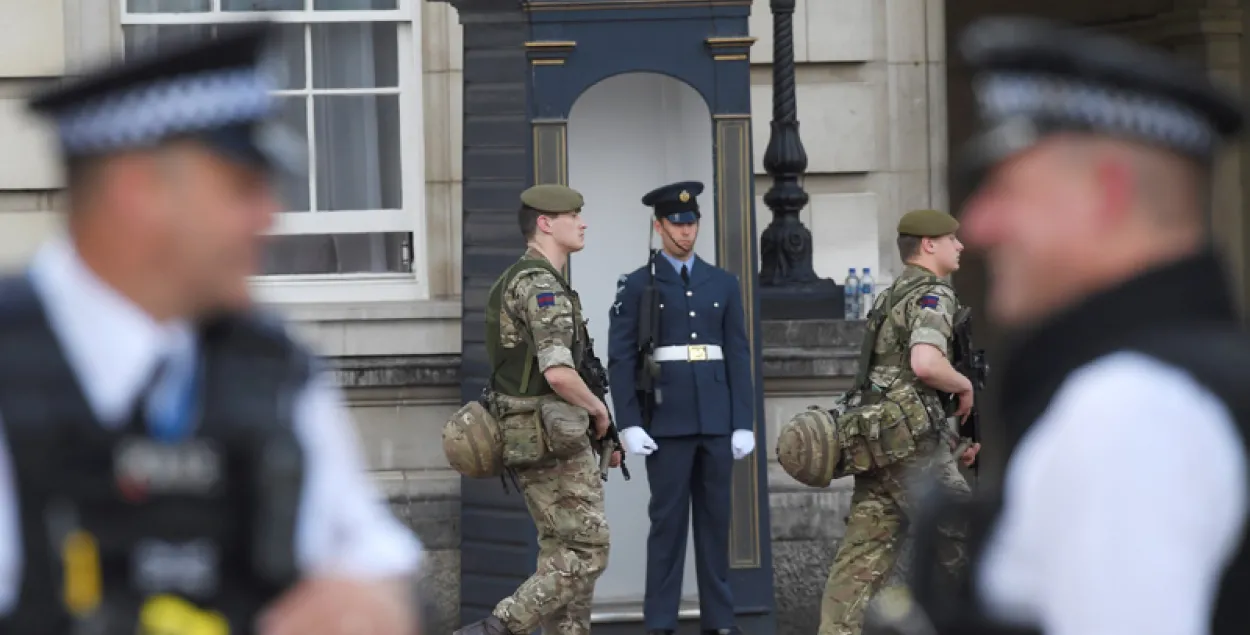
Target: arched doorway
x=627 y=135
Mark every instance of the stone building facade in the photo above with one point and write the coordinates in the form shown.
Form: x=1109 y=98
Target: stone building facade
x=880 y=108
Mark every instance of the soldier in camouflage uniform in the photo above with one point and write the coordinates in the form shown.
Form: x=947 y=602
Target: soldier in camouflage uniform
x=908 y=365
x=535 y=338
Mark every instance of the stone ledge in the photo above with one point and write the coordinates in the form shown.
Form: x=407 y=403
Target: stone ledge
x=396 y=371
x=792 y=349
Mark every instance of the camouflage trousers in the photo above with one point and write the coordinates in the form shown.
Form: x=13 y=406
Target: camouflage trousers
x=869 y=557
x=565 y=499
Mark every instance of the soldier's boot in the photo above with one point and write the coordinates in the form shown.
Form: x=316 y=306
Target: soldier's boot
x=489 y=626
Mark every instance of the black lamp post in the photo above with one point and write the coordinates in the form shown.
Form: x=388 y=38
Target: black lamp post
x=790 y=288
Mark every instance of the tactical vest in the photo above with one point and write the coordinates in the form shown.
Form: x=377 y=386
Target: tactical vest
x=513 y=369
x=126 y=535
x=877 y=317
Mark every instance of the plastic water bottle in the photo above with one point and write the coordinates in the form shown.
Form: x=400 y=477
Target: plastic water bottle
x=850 y=289
x=866 y=290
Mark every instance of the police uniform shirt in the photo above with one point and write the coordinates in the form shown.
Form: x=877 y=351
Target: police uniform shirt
x=344 y=528
x=1125 y=497
x=1124 y=503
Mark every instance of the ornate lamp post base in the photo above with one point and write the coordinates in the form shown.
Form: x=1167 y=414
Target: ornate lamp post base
x=789 y=286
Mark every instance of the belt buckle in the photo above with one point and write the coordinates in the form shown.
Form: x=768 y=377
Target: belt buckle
x=696 y=353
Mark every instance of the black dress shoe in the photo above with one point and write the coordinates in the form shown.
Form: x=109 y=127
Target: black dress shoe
x=663 y=632
x=721 y=631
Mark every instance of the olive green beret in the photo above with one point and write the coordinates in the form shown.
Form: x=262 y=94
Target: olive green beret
x=927 y=223
x=552 y=198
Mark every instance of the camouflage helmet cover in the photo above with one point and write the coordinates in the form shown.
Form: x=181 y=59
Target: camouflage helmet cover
x=473 y=443
x=808 y=447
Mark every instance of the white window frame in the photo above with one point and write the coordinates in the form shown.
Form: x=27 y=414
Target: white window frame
x=358 y=287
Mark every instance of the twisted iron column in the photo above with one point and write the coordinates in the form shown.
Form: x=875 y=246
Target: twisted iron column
x=789 y=285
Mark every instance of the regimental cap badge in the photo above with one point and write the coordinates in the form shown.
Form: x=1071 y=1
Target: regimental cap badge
x=684 y=196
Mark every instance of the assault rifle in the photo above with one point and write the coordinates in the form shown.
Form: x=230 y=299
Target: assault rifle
x=596 y=378
x=647 y=368
x=970 y=362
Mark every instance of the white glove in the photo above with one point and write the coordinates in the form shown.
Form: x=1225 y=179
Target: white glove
x=637 y=441
x=743 y=443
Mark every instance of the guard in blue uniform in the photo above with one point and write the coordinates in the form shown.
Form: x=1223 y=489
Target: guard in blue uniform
x=680 y=369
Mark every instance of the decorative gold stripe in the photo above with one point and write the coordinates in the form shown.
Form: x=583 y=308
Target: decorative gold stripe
x=731 y=116
x=729 y=58
x=550 y=44
x=547 y=62
x=738 y=40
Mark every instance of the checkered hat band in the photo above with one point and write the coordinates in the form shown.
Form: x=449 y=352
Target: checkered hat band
x=147 y=114
x=1150 y=118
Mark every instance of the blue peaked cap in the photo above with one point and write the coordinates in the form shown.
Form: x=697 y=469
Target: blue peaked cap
x=676 y=202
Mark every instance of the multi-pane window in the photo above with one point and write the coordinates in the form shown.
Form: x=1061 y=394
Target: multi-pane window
x=349 y=83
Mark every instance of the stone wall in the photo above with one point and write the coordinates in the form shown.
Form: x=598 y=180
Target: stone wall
x=400 y=404
x=805 y=363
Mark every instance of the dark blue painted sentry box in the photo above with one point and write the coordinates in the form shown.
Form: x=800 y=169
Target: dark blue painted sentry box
x=526 y=63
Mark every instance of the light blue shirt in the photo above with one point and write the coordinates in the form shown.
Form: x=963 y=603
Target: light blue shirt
x=688 y=262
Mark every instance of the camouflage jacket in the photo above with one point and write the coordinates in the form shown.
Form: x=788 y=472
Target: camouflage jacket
x=923 y=314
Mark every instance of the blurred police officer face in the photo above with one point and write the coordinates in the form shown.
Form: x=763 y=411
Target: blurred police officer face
x=178 y=229
x=566 y=230
x=1073 y=215
x=219 y=213
x=678 y=238
x=1031 y=216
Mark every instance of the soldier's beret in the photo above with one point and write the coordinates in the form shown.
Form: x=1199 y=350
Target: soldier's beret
x=927 y=223
x=1033 y=78
x=676 y=202
x=552 y=198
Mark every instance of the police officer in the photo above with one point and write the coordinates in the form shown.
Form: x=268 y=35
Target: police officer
x=1125 y=496
x=173 y=462
x=536 y=337
x=909 y=336
x=702 y=421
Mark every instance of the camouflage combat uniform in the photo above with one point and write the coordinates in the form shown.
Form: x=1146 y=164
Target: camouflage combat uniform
x=880 y=504
x=564 y=496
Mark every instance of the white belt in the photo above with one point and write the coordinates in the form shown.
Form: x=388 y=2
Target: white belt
x=692 y=353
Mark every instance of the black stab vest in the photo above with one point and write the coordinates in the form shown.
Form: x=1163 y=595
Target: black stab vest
x=1180 y=314
x=209 y=521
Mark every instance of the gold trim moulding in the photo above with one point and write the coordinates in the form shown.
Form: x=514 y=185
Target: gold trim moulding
x=547 y=62
x=732 y=41
x=551 y=45
x=730 y=58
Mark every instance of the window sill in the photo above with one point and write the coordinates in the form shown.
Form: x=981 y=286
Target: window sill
x=350 y=289
x=375 y=327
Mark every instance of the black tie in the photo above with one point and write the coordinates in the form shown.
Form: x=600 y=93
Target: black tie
x=685 y=275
